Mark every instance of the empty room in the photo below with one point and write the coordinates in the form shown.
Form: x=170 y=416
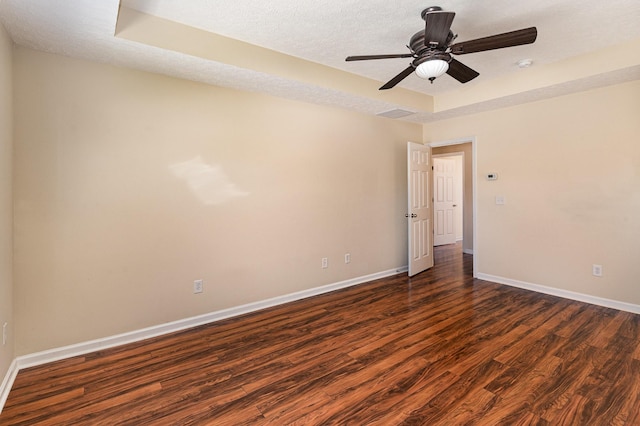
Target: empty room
x=335 y=212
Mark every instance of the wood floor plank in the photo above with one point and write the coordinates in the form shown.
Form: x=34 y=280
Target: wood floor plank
x=30 y=412
x=113 y=405
x=439 y=348
x=636 y=352
x=578 y=411
x=395 y=404
x=488 y=349
x=294 y=411
x=373 y=395
x=604 y=335
x=471 y=410
x=464 y=390
x=574 y=372
x=515 y=400
x=298 y=382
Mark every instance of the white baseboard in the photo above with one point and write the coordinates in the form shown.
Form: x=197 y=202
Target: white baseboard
x=467 y=251
x=7 y=383
x=57 y=354
x=566 y=294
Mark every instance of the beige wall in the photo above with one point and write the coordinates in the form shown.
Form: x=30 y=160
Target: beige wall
x=569 y=168
x=129 y=186
x=467 y=219
x=6 y=200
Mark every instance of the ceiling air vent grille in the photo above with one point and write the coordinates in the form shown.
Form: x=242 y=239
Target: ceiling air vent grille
x=395 y=113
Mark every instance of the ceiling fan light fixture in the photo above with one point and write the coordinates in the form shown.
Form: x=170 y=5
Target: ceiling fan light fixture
x=431 y=69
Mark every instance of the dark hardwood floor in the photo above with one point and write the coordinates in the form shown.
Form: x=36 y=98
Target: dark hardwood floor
x=438 y=349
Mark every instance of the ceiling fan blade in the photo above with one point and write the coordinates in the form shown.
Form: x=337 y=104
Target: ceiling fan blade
x=367 y=57
x=498 y=41
x=398 y=78
x=437 y=28
x=461 y=72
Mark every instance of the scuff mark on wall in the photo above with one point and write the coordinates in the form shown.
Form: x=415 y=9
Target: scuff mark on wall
x=209 y=183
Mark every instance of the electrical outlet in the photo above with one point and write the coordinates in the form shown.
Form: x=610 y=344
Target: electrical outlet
x=597 y=270
x=325 y=263
x=197 y=286
x=4 y=333
x=347 y=258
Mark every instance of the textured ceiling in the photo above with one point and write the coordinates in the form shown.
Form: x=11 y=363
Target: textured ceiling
x=575 y=38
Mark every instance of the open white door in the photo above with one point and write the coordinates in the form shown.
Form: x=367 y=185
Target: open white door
x=420 y=211
x=444 y=179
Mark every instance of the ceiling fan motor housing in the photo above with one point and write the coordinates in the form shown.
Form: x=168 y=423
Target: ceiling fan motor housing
x=418 y=46
x=429 y=10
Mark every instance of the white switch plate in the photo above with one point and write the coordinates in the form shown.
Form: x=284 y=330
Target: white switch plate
x=500 y=200
x=347 y=258
x=198 y=286
x=325 y=263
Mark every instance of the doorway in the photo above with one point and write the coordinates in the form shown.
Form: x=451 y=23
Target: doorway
x=469 y=214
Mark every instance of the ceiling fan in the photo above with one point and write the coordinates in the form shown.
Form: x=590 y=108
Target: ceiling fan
x=432 y=48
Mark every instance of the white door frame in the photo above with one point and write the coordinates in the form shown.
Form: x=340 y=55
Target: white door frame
x=473 y=142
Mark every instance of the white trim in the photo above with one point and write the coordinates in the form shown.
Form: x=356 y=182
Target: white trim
x=56 y=354
x=449 y=154
x=458 y=141
x=7 y=383
x=566 y=294
x=474 y=167
x=467 y=251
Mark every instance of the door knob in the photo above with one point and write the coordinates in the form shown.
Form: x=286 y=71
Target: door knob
x=455 y=205
x=414 y=215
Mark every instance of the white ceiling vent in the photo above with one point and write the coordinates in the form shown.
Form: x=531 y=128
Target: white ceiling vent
x=395 y=113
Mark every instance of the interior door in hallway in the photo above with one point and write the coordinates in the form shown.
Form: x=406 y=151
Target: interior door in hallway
x=420 y=208
x=444 y=177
